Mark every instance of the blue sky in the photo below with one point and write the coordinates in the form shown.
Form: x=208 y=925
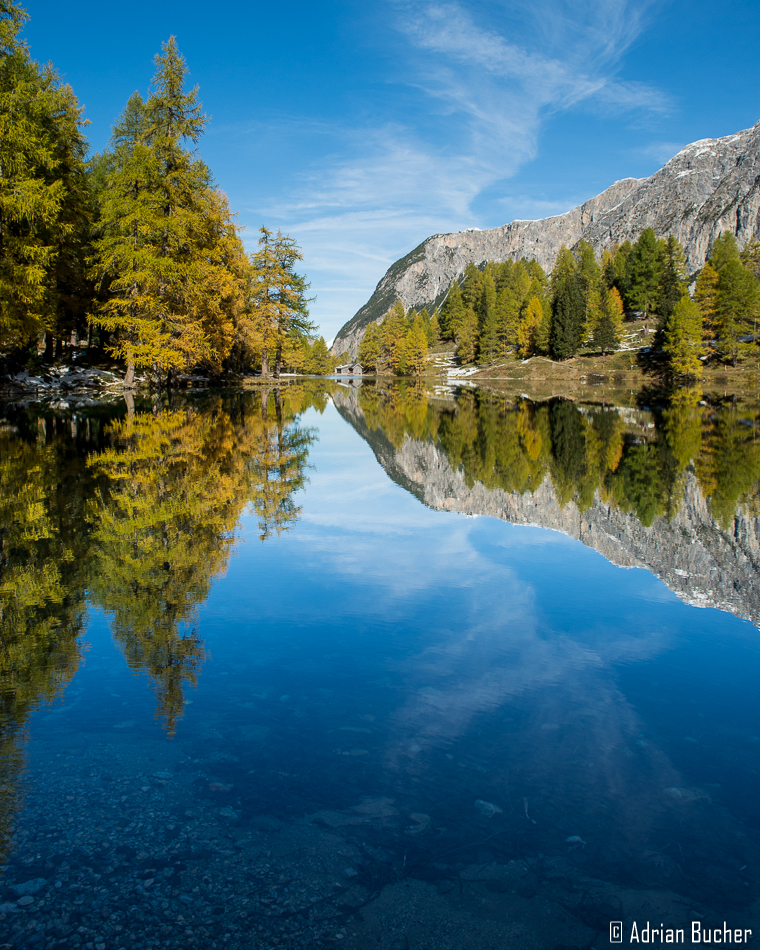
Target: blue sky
x=362 y=128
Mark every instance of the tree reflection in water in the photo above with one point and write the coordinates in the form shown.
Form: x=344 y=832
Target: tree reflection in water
x=137 y=517
x=177 y=483
x=591 y=452
x=42 y=592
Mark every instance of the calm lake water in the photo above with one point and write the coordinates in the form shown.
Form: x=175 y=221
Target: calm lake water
x=378 y=668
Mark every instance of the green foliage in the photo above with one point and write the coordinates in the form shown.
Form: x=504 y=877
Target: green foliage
x=673 y=278
x=370 y=348
x=706 y=297
x=318 y=360
x=434 y=331
x=399 y=345
x=393 y=337
x=589 y=453
x=277 y=299
x=467 y=338
x=472 y=286
x=489 y=344
x=530 y=327
x=452 y=312
x=608 y=327
x=642 y=273
x=736 y=308
x=683 y=338
x=729 y=464
x=568 y=316
x=168 y=248
x=682 y=424
x=750 y=258
x=583 y=303
x=416 y=347
x=513 y=307
x=139 y=242
x=44 y=197
x=487 y=303
x=724 y=250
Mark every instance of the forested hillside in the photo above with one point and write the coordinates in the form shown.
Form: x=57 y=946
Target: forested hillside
x=710 y=186
x=517 y=308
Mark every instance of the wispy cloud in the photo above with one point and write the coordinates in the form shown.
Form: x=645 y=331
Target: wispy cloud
x=485 y=85
x=662 y=151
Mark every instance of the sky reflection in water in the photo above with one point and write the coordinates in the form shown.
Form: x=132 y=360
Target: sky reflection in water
x=380 y=649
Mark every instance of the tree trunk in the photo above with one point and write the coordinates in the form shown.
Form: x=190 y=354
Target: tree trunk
x=278 y=409
x=129 y=379
x=265 y=365
x=278 y=360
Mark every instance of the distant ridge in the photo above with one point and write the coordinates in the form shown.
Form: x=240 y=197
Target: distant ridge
x=710 y=186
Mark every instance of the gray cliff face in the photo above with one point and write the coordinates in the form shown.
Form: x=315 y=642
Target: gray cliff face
x=708 y=187
x=699 y=561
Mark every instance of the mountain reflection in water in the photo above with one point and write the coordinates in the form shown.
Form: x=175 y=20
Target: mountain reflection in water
x=675 y=491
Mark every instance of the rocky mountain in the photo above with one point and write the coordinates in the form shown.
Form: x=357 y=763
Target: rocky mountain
x=698 y=560
x=710 y=186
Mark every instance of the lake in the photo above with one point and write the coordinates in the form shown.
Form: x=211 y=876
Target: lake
x=379 y=667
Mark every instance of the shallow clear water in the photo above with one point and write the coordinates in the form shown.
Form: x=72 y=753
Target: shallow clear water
x=384 y=723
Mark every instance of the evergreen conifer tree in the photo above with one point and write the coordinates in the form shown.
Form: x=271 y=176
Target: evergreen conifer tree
x=452 y=312
x=278 y=296
x=736 y=308
x=507 y=318
x=642 y=278
x=435 y=328
x=543 y=330
x=467 y=340
x=322 y=361
x=416 y=348
x=521 y=281
x=568 y=317
x=369 y=348
x=44 y=200
x=531 y=321
x=673 y=278
x=750 y=258
x=487 y=303
x=393 y=336
x=609 y=274
x=489 y=344
x=564 y=267
x=609 y=326
x=472 y=286
x=616 y=276
x=167 y=240
x=590 y=275
x=683 y=338
x=706 y=297
x=724 y=250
